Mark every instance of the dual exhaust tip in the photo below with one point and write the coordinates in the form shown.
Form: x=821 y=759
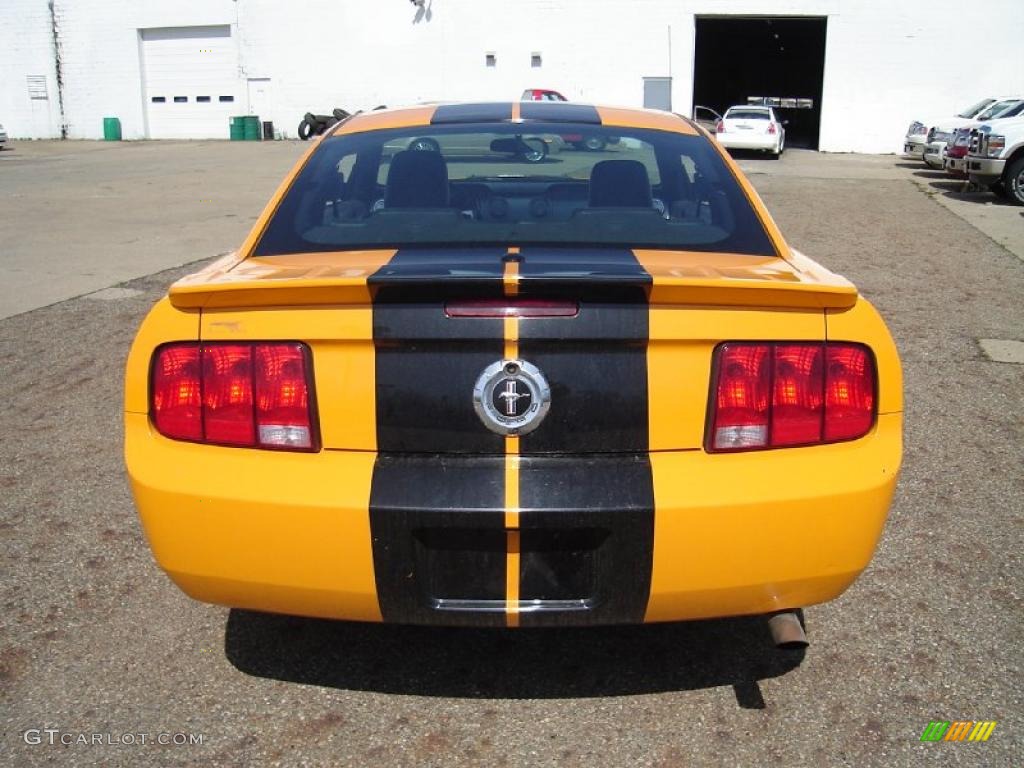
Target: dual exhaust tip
x=787 y=631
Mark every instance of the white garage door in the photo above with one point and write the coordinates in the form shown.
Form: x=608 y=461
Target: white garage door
x=191 y=76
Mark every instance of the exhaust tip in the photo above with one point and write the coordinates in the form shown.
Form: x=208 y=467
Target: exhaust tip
x=787 y=631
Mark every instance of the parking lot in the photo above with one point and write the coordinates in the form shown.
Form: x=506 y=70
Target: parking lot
x=96 y=641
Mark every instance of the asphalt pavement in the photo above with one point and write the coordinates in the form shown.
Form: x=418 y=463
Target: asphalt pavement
x=102 y=658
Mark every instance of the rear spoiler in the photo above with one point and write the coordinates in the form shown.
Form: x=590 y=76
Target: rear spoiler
x=696 y=279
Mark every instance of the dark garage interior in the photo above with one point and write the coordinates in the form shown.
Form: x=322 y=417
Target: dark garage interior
x=778 y=58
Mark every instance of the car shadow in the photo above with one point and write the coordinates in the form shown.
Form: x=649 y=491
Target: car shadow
x=752 y=154
x=520 y=664
x=961 y=189
x=924 y=172
x=912 y=164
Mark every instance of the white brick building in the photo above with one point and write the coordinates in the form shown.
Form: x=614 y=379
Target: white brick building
x=180 y=69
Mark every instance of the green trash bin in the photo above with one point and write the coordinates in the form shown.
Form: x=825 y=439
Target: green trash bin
x=111 y=129
x=252 y=128
x=237 y=128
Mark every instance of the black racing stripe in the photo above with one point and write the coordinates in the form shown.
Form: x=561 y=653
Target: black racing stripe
x=596 y=362
x=437 y=528
x=587 y=536
x=410 y=291
x=437 y=521
x=426 y=362
x=472 y=113
x=587 y=519
x=559 y=112
x=414 y=268
x=614 y=266
x=425 y=398
x=436 y=514
x=598 y=397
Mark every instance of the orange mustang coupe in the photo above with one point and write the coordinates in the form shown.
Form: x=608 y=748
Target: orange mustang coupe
x=456 y=376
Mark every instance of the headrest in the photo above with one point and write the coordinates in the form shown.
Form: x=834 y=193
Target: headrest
x=417 y=179
x=620 y=184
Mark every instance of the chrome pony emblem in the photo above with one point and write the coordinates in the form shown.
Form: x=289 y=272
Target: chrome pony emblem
x=511 y=397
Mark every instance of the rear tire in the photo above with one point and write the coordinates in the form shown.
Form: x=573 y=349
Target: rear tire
x=424 y=144
x=594 y=143
x=534 y=150
x=1014 y=181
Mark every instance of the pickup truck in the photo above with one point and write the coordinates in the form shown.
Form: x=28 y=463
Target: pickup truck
x=996 y=158
x=943 y=131
x=917 y=134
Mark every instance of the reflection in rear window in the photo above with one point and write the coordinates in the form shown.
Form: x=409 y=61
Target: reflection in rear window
x=515 y=184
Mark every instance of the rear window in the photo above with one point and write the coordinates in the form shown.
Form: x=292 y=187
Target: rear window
x=500 y=184
x=747 y=114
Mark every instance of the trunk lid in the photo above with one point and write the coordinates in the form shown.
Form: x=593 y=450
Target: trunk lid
x=628 y=372
x=741 y=125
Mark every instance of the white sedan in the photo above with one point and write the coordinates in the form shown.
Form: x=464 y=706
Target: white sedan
x=745 y=127
x=3 y=137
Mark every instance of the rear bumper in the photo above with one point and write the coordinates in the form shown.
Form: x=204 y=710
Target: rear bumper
x=726 y=534
x=739 y=140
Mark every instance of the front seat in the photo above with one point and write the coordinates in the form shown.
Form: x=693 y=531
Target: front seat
x=417 y=179
x=620 y=184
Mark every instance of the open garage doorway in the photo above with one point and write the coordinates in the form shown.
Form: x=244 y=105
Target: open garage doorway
x=774 y=60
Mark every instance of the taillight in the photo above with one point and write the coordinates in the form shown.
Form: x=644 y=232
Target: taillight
x=251 y=394
x=771 y=128
x=227 y=394
x=778 y=394
x=849 y=391
x=720 y=126
x=176 y=392
x=797 y=394
x=742 y=396
x=283 y=412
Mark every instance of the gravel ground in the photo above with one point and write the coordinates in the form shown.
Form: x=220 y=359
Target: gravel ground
x=95 y=640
